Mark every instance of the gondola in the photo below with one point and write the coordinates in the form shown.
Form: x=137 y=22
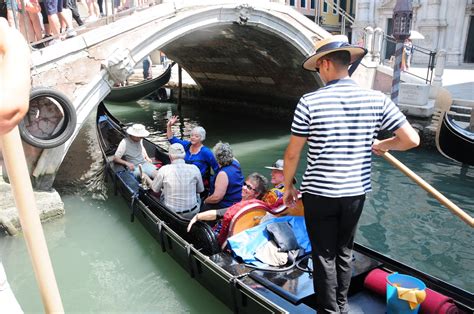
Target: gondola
x=454 y=142
x=139 y=90
x=243 y=288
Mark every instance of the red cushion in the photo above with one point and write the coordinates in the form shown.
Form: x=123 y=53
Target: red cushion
x=376 y=281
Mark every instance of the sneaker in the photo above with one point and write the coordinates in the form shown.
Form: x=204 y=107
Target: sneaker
x=91 y=18
x=70 y=32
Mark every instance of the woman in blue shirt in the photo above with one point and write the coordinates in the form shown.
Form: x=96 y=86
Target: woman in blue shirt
x=196 y=153
x=226 y=186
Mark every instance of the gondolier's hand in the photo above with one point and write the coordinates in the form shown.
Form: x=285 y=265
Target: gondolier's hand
x=377 y=148
x=172 y=120
x=191 y=223
x=130 y=166
x=14 y=77
x=290 y=197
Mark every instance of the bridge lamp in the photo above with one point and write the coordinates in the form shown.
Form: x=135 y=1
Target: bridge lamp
x=402 y=16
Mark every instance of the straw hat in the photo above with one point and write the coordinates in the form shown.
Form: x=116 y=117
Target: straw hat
x=138 y=130
x=332 y=44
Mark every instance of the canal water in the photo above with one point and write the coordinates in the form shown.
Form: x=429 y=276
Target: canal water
x=104 y=263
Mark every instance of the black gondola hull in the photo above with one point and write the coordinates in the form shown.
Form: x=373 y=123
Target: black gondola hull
x=139 y=90
x=455 y=142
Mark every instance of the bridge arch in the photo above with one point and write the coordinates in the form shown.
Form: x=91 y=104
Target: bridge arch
x=248 y=52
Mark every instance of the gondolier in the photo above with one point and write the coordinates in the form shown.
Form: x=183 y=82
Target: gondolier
x=340 y=122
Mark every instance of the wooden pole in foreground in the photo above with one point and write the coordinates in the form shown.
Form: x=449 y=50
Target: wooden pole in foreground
x=15 y=163
x=428 y=188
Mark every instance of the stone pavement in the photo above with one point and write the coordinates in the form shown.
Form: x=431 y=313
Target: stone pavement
x=458 y=80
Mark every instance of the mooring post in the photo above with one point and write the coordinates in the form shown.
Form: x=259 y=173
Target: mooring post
x=180 y=85
x=402 y=16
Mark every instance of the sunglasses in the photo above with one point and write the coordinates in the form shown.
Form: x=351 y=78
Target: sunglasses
x=248 y=186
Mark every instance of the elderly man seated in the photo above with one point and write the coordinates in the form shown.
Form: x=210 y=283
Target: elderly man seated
x=179 y=183
x=131 y=153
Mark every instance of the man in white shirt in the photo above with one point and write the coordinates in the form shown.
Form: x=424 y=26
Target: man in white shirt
x=131 y=153
x=179 y=182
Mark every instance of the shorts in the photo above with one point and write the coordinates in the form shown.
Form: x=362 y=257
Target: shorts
x=3 y=9
x=9 y=5
x=53 y=6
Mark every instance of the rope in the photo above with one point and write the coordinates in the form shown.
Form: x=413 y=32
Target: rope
x=132 y=205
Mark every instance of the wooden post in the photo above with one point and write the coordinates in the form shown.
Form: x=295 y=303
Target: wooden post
x=15 y=163
x=180 y=86
x=471 y=123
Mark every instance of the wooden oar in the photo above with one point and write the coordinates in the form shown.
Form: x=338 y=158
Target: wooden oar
x=15 y=163
x=428 y=188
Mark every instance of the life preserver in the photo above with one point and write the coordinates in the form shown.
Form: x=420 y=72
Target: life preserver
x=52 y=126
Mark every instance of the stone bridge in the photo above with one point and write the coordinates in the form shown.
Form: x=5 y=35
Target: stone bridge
x=239 y=50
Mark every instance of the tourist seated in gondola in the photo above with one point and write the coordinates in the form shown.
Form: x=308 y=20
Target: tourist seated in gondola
x=254 y=188
x=196 y=153
x=274 y=197
x=131 y=152
x=226 y=185
x=179 y=183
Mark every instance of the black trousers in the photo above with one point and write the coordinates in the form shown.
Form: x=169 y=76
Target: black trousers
x=331 y=225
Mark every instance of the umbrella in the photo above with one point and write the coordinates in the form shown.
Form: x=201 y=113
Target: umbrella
x=416 y=35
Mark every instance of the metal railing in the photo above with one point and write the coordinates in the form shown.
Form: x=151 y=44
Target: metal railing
x=342 y=14
x=431 y=59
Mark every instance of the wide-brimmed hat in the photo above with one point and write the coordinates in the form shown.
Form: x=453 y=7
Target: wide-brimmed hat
x=138 y=130
x=332 y=44
x=278 y=165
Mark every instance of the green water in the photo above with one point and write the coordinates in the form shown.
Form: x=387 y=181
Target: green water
x=104 y=263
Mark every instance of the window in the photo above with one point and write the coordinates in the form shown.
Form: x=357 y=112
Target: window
x=312 y=4
x=325 y=7
x=303 y=4
x=334 y=8
x=292 y=3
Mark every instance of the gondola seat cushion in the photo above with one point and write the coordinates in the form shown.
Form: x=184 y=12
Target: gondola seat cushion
x=376 y=281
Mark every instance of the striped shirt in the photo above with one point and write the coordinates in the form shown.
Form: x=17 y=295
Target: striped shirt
x=341 y=121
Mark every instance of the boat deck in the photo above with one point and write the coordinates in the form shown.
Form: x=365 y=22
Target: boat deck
x=293 y=289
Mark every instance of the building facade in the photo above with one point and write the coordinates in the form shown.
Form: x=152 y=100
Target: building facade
x=325 y=13
x=445 y=24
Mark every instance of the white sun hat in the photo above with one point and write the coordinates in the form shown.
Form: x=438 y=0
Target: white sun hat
x=138 y=130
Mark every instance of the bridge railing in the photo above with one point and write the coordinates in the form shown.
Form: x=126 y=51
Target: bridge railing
x=31 y=19
x=418 y=49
